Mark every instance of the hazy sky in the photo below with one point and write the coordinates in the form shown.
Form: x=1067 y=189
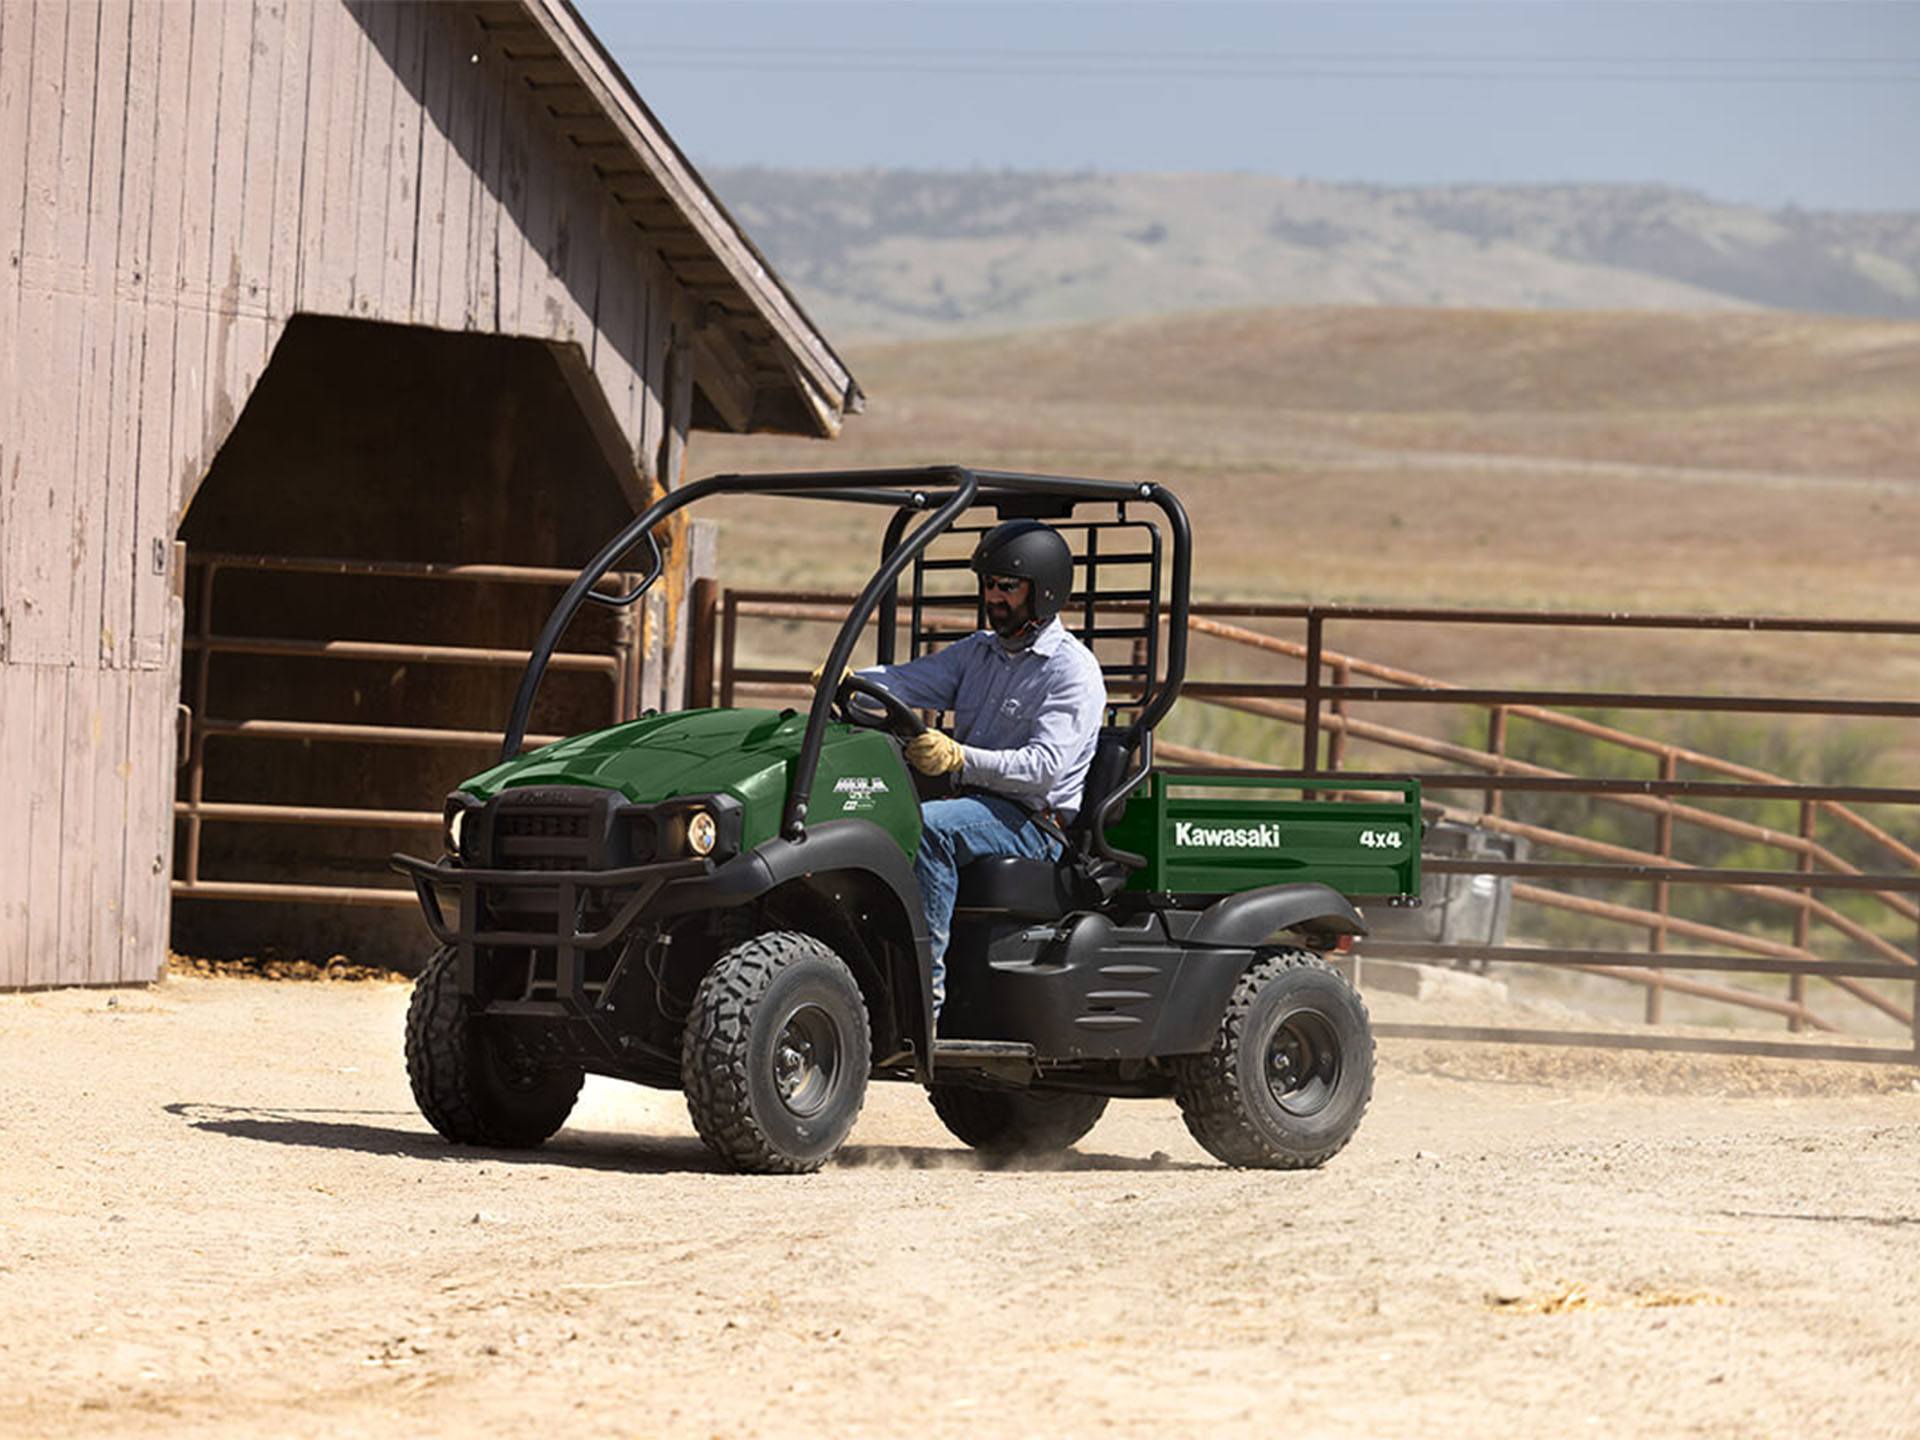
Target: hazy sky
x=1816 y=104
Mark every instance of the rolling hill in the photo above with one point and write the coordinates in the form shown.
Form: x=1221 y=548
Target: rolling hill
x=879 y=253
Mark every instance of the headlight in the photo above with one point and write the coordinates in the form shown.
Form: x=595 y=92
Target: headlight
x=453 y=824
x=701 y=832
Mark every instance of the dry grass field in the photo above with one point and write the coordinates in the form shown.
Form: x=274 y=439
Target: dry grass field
x=1712 y=463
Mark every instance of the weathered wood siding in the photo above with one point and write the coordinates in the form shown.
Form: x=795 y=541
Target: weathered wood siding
x=177 y=179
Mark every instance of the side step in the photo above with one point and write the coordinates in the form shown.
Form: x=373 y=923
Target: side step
x=981 y=1054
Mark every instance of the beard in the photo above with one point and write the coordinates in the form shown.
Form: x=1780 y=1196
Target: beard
x=1004 y=621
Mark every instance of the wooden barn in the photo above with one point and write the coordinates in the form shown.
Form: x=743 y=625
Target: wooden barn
x=333 y=335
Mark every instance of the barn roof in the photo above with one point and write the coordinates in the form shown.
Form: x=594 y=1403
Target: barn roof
x=760 y=363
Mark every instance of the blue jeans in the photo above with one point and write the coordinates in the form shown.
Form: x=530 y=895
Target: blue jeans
x=954 y=832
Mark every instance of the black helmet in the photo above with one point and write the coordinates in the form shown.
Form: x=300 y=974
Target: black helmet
x=1029 y=551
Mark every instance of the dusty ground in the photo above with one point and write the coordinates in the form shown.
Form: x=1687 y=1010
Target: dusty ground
x=222 y=1216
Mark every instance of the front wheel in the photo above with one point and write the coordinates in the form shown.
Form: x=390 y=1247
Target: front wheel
x=1017 y=1122
x=478 y=1086
x=776 y=1054
x=1290 y=1071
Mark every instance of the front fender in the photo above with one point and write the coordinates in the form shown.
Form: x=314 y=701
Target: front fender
x=835 y=845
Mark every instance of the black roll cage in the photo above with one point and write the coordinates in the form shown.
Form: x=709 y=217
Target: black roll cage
x=945 y=490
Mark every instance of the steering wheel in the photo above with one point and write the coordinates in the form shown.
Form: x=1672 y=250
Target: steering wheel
x=893 y=715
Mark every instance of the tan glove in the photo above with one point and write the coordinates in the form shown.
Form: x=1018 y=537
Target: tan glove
x=813 y=675
x=935 y=754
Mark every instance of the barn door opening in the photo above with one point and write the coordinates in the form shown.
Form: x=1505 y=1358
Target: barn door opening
x=367 y=563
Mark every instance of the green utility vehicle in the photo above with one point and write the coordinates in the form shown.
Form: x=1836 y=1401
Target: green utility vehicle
x=723 y=901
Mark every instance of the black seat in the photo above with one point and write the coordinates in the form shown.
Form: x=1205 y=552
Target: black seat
x=1078 y=879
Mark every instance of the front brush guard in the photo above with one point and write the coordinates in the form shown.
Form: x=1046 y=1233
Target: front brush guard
x=571 y=891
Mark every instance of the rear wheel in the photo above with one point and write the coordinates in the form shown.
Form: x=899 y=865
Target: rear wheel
x=1290 y=1071
x=776 y=1054
x=1017 y=1122
x=476 y=1085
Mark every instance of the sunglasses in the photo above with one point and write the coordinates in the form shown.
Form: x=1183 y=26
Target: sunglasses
x=1005 y=584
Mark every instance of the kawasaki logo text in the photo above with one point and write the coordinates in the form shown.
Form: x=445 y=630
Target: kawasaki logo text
x=1243 y=837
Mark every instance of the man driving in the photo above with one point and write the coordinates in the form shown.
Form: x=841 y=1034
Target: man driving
x=1027 y=699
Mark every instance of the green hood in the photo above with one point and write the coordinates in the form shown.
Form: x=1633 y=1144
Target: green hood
x=744 y=753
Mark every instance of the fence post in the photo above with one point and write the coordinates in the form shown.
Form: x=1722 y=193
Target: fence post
x=729 y=633
x=1797 y=983
x=705 y=603
x=1662 y=891
x=1337 y=740
x=1497 y=744
x=1310 y=736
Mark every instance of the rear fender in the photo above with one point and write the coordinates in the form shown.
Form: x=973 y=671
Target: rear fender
x=1252 y=916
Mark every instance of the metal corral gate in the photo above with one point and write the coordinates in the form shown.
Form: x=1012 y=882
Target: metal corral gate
x=1319 y=702
x=619 y=666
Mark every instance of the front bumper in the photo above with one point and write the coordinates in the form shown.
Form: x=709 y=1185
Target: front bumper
x=573 y=893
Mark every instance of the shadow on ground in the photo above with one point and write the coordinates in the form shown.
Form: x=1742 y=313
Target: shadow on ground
x=590 y=1150
x=317 y=1130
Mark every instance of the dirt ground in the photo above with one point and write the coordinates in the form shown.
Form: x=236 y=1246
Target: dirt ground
x=223 y=1216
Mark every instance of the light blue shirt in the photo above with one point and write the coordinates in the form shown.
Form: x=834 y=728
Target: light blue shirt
x=1027 y=720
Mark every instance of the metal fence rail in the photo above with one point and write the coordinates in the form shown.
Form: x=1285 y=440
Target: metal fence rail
x=1321 y=703
x=619 y=667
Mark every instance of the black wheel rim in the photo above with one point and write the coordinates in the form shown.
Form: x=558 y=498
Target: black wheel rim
x=1303 y=1063
x=806 y=1060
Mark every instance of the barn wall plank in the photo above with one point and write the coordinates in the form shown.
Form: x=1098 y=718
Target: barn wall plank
x=107 y=858
x=16 y=59
x=373 y=149
x=583 y=226
x=45 y=782
x=133 y=216
x=196 y=289
x=327 y=286
x=175 y=78
x=526 y=211
x=490 y=164
x=202 y=119
x=72 y=540
x=261 y=158
x=612 y=339
x=430 y=198
x=152 y=468
x=16 y=761
x=397 y=281
x=40 y=507
x=293 y=101
x=326 y=24
x=227 y=176
x=460 y=264
x=83 y=731
x=148 y=855
x=100 y=505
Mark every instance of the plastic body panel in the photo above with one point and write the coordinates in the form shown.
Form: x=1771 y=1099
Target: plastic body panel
x=1089 y=988
x=1204 y=835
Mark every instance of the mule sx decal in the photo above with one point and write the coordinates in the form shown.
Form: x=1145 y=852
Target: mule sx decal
x=859 y=792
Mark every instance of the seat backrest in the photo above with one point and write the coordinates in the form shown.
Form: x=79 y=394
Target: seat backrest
x=1112 y=763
